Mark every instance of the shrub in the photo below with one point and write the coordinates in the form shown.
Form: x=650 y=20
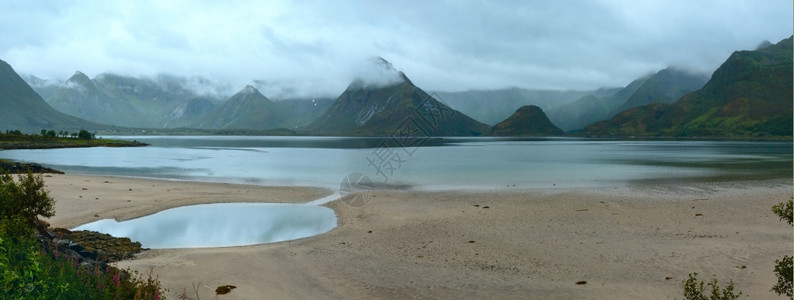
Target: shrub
x=27 y=271
x=784 y=270
x=32 y=269
x=784 y=211
x=693 y=290
x=25 y=199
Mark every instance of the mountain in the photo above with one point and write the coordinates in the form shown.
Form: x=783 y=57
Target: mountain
x=301 y=112
x=595 y=107
x=493 y=106
x=576 y=115
x=381 y=109
x=528 y=120
x=750 y=94
x=45 y=88
x=763 y=44
x=83 y=98
x=158 y=102
x=166 y=101
x=666 y=86
x=153 y=97
x=185 y=113
x=23 y=109
x=248 y=109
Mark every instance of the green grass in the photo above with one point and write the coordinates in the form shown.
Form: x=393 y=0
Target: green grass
x=17 y=140
x=29 y=271
x=31 y=267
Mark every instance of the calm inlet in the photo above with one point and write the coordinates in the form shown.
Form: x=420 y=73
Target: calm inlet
x=434 y=164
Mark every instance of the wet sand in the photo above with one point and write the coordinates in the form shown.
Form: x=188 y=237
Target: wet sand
x=625 y=242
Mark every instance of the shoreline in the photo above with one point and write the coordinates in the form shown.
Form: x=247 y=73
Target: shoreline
x=82 y=199
x=536 y=243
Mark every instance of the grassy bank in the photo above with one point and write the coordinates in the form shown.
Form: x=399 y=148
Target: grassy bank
x=17 y=140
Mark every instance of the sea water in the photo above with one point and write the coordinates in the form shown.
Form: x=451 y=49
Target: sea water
x=437 y=164
x=430 y=164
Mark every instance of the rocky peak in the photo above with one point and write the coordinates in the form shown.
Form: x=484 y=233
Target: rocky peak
x=79 y=78
x=249 y=95
x=763 y=44
x=377 y=73
x=249 y=89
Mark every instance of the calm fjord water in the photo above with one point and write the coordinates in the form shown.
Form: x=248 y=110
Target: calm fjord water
x=441 y=163
x=448 y=163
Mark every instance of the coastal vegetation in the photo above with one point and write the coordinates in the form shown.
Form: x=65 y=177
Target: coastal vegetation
x=784 y=270
x=693 y=290
x=33 y=268
x=47 y=139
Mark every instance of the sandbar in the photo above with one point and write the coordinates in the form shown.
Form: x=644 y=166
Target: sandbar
x=628 y=242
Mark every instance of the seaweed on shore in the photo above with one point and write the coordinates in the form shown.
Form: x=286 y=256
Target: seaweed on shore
x=104 y=246
x=19 y=168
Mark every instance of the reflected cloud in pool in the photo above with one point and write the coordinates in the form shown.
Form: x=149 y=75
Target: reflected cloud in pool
x=221 y=225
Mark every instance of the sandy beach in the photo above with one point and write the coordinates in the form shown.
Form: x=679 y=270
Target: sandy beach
x=635 y=242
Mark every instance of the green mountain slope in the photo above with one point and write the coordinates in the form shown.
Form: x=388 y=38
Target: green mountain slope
x=588 y=109
x=494 y=106
x=168 y=101
x=82 y=98
x=749 y=95
x=23 y=109
x=158 y=102
x=248 y=109
x=591 y=108
x=186 y=113
x=528 y=120
x=165 y=101
x=45 y=88
x=666 y=86
x=365 y=109
x=299 y=113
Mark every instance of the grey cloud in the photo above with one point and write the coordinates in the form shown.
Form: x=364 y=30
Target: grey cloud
x=317 y=47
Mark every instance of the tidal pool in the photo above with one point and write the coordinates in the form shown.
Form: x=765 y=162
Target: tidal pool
x=221 y=225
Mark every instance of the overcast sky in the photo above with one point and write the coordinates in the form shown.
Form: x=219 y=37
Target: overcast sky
x=441 y=45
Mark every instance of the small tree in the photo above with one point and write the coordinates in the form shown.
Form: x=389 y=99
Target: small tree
x=25 y=199
x=784 y=268
x=84 y=135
